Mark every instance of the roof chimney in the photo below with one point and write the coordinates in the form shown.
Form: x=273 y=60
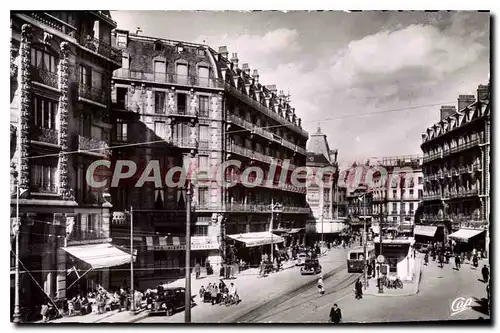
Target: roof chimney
x=255 y=75
x=299 y=122
x=483 y=92
x=138 y=31
x=234 y=59
x=447 y=110
x=223 y=51
x=465 y=100
x=245 y=68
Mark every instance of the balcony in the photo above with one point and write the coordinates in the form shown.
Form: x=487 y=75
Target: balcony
x=184 y=80
x=101 y=48
x=45 y=188
x=45 y=135
x=45 y=77
x=477 y=167
x=263 y=109
x=188 y=143
x=85 y=236
x=430 y=197
x=53 y=23
x=96 y=95
x=467 y=145
x=93 y=146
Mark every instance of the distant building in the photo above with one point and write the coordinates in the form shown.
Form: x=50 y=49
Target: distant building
x=456 y=169
x=323 y=196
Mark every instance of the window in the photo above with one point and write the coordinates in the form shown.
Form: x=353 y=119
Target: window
x=394 y=207
x=85 y=76
x=394 y=194
x=201 y=52
x=420 y=194
x=420 y=180
x=394 y=219
x=411 y=206
x=181 y=103
x=125 y=62
x=203 y=162
x=200 y=230
x=203 y=133
x=158 y=46
x=44 y=112
x=160 y=102
x=96 y=80
x=85 y=125
x=121 y=130
x=121 y=97
x=44 y=61
x=203 y=195
x=411 y=193
x=96 y=132
x=121 y=41
x=402 y=193
x=203 y=106
x=181 y=73
x=160 y=129
x=160 y=71
x=182 y=131
x=403 y=208
x=43 y=177
x=203 y=76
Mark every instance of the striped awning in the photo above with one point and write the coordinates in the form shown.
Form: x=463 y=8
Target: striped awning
x=173 y=243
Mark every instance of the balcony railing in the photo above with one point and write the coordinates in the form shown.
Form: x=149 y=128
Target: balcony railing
x=53 y=23
x=428 y=197
x=44 y=76
x=46 y=135
x=93 y=146
x=185 y=80
x=102 y=48
x=186 y=142
x=256 y=105
x=477 y=167
x=79 y=235
x=97 y=95
x=49 y=188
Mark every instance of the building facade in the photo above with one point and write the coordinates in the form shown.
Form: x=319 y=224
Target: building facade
x=456 y=168
x=61 y=65
x=395 y=202
x=189 y=106
x=323 y=196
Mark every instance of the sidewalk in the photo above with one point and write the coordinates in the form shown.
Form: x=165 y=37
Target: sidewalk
x=409 y=287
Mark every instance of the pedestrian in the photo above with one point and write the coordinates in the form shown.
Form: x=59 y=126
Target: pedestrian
x=440 y=260
x=214 y=293
x=457 y=262
x=197 y=269
x=475 y=261
x=486 y=272
x=123 y=299
x=426 y=259
x=321 y=286
x=358 y=288
x=335 y=314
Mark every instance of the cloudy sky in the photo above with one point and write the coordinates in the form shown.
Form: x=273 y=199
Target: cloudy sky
x=341 y=66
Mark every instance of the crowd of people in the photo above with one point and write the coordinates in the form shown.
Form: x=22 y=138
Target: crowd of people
x=219 y=294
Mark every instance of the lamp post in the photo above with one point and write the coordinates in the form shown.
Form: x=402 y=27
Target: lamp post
x=132 y=291
x=187 y=295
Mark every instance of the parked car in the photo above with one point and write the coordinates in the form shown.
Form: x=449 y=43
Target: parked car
x=301 y=259
x=423 y=248
x=168 y=300
x=311 y=266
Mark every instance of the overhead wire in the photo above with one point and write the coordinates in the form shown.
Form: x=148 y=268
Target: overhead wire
x=236 y=131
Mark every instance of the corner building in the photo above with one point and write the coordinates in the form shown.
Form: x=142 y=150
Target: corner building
x=187 y=105
x=456 y=166
x=61 y=66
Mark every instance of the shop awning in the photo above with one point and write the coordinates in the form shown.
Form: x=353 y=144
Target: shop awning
x=156 y=243
x=295 y=230
x=252 y=239
x=465 y=234
x=425 y=230
x=99 y=255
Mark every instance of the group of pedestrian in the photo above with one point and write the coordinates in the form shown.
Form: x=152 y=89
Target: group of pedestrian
x=219 y=294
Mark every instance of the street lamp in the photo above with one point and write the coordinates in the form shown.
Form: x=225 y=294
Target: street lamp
x=273 y=207
x=187 y=295
x=15 y=228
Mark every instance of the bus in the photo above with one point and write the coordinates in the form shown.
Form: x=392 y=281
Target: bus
x=355 y=258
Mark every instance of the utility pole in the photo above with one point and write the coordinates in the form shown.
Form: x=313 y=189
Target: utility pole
x=132 y=306
x=272 y=227
x=187 y=301
x=17 y=227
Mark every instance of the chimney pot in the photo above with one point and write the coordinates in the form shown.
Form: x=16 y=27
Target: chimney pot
x=299 y=121
x=234 y=59
x=465 y=100
x=483 y=91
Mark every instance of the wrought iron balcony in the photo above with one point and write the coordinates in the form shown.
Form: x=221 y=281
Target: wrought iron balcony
x=46 y=135
x=93 y=146
x=45 y=77
x=100 y=47
x=186 y=142
x=178 y=79
x=97 y=95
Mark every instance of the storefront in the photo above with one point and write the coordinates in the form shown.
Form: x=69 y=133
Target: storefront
x=252 y=245
x=469 y=239
x=399 y=256
x=425 y=233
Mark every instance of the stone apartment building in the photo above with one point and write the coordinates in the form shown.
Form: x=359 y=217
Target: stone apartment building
x=323 y=198
x=187 y=105
x=395 y=203
x=61 y=66
x=456 y=169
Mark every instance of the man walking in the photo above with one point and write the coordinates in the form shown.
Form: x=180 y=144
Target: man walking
x=358 y=287
x=335 y=314
x=486 y=272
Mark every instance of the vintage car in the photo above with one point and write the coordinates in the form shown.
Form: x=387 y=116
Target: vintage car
x=311 y=266
x=301 y=259
x=167 y=300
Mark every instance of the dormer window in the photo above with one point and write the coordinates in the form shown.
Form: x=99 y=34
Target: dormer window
x=158 y=46
x=201 y=52
x=180 y=48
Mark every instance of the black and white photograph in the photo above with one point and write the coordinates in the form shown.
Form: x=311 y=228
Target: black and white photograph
x=250 y=167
